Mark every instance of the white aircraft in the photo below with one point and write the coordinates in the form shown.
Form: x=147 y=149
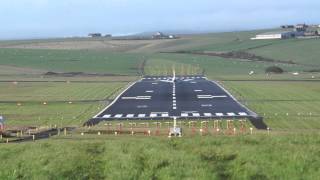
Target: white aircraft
x=174 y=79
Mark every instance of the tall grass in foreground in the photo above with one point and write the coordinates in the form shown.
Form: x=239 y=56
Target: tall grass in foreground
x=220 y=157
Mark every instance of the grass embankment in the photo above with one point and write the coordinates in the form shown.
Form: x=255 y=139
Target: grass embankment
x=220 y=157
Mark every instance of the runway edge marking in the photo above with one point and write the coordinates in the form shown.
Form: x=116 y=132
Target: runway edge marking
x=96 y=116
x=251 y=112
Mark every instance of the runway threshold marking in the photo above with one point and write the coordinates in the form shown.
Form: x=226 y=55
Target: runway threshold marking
x=118 y=116
x=130 y=115
x=243 y=114
x=106 y=116
x=231 y=114
x=197 y=90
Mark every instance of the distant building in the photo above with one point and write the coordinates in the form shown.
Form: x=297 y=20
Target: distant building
x=95 y=35
x=108 y=35
x=301 y=27
x=287 y=26
x=1 y=123
x=277 y=35
x=160 y=35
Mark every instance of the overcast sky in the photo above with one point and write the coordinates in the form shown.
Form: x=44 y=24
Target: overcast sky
x=59 y=18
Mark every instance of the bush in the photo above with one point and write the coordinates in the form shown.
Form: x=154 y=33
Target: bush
x=274 y=69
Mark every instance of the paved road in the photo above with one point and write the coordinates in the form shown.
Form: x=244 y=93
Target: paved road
x=189 y=97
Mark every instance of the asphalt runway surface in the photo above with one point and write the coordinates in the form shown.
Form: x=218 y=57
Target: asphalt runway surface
x=190 y=97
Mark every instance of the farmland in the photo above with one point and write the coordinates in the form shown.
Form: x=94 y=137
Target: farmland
x=76 y=83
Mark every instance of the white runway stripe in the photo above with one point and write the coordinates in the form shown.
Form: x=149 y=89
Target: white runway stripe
x=219 y=114
x=107 y=116
x=184 y=115
x=210 y=96
x=130 y=115
x=243 y=114
x=153 y=115
x=231 y=114
x=141 y=115
x=208 y=114
x=165 y=115
x=118 y=116
x=195 y=114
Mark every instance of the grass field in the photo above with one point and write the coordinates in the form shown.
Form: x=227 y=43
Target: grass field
x=285 y=105
x=220 y=157
x=73 y=61
x=289 y=103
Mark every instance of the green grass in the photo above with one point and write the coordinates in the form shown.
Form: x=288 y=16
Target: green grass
x=53 y=91
x=285 y=105
x=61 y=114
x=300 y=51
x=214 y=67
x=219 y=157
x=57 y=96
x=73 y=61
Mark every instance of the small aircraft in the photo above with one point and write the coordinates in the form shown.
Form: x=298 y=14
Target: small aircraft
x=174 y=78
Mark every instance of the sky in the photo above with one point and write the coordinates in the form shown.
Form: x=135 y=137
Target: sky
x=23 y=19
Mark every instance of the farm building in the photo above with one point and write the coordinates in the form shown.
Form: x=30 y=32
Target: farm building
x=95 y=35
x=278 y=35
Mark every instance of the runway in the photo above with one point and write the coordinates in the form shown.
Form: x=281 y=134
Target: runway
x=190 y=97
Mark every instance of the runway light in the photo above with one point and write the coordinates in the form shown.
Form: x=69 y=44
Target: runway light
x=44 y=103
